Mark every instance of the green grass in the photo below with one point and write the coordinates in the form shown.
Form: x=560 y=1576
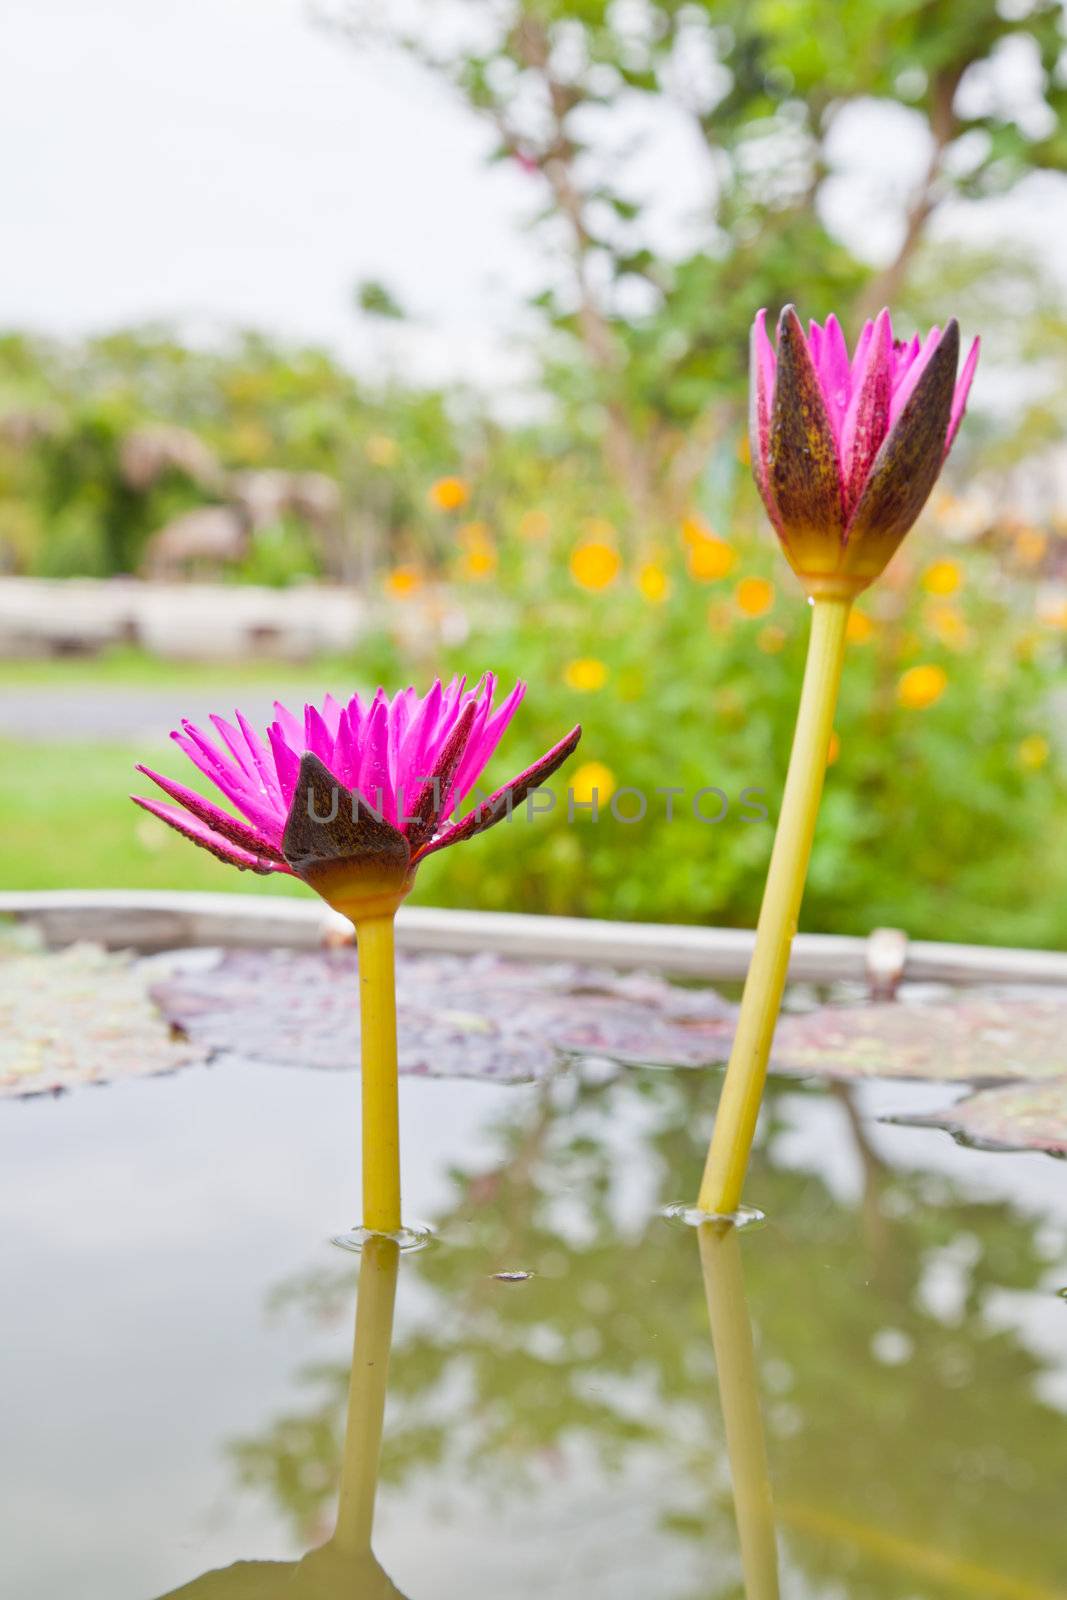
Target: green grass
x=66 y=822
x=134 y=668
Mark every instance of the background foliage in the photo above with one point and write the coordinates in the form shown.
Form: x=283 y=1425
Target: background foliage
x=608 y=546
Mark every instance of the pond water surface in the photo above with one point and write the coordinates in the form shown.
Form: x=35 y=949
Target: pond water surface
x=178 y=1335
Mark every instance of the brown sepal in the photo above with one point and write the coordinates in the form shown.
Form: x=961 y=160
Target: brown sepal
x=803 y=474
x=312 y=847
x=907 y=465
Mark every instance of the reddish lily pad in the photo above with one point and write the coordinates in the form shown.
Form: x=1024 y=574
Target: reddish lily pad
x=1021 y=1116
x=457 y=1016
x=979 y=1038
x=80 y=1017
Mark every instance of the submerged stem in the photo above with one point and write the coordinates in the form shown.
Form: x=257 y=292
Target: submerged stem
x=381 y=1131
x=735 y=1120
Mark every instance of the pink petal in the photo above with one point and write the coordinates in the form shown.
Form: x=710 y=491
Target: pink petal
x=495 y=809
x=761 y=392
x=292 y=728
x=286 y=761
x=331 y=715
x=219 y=821
x=261 y=759
x=911 y=362
x=482 y=748
x=866 y=422
x=963 y=389
x=233 y=781
x=202 y=835
x=834 y=373
x=374 y=784
x=317 y=736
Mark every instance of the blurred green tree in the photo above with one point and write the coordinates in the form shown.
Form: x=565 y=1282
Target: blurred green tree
x=760 y=91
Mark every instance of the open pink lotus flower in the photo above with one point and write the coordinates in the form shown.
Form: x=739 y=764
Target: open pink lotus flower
x=846 y=451
x=351 y=798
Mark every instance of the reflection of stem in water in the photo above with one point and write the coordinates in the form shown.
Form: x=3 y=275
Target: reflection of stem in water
x=735 y=1364
x=366 y=1394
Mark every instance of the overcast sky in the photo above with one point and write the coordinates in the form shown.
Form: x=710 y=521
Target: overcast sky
x=224 y=160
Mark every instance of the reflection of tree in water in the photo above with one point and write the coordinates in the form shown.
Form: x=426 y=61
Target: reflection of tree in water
x=908 y=1443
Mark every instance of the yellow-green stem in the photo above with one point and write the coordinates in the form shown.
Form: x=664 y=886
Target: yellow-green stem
x=366 y=1395
x=381 y=1129
x=735 y=1365
x=735 y=1120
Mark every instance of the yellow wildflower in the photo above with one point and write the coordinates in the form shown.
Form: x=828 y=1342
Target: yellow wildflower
x=403 y=581
x=595 y=564
x=949 y=627
x=653 y=582
x=449 y=494
x=860 y=627
x=754 y=596
x=1030 y=545
x=1033 y=751
x=593 y=776
x=478 y=562
x=694 y=529
x=943 y=577
x=921 y=686
x=709 y=558
x=585 y=674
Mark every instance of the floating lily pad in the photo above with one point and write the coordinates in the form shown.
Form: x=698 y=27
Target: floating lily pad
x=80 y=1017
x=457 y=1016
x=979 y=1038
x=1021 y=1116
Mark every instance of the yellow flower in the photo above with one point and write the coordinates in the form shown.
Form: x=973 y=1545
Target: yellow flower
x=709 y=558
x=1030 y=545
x=585 y=674
x=449 y=494
x=833 y=749
x=949 y=627
x=479 y=559
x=920 y=687
x=534 y=525
x=754 y=596
x=771 y=639
x=1033 y=751
x=478 y=562
x=943 y=577
x=694 y=529
x=590 y=776
x=1052 y=608
x=594 y=564
x=403 y=581
x=653 y=582
x=381 y=451
x=860 y=627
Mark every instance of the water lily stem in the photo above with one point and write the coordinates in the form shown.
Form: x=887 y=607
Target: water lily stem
x=735 y=1121
x=381 y=1130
